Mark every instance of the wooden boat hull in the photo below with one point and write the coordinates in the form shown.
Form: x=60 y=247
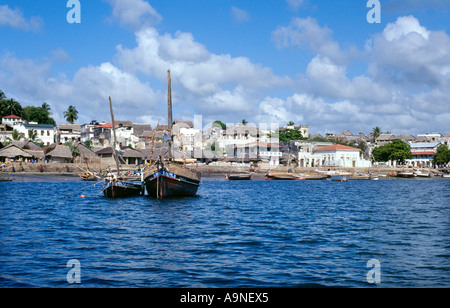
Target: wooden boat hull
x=6 y=179
x=405 y=174
x=122 y=190
x=239 y=177
x=340 y=177
x=163 y=184
x=283 y=177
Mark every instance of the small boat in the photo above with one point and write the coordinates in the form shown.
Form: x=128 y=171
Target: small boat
x=446 y=175
x=422 y=174
x=88 y=176
x=374 y=178
x=405 y=174
x=283 y=177
x=360 y=177
x=239 y=177
x=340 y=177
x=113 y=186
x=6 y=179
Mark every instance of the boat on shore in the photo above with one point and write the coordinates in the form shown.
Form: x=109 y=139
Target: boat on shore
x=239 y=177
x=405 y=174
x=283 y=177
x=422 y=174
x=3 y=179
x=315 y=176
x=360 y=177
x=340 y=177
x=166 y=177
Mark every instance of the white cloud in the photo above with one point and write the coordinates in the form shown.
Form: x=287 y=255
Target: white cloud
x=14 y=18
x=306 y=33
x=295 y=4
x=239 y=15
x=134 y=13
x=404 y=26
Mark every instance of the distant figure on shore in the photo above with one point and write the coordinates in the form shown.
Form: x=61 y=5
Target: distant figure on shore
x=41 y=169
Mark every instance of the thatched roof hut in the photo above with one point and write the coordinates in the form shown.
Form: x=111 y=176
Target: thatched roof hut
x=13 y=152
x=60 y=154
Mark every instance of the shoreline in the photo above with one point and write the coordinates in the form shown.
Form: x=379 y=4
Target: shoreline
x=212 y=173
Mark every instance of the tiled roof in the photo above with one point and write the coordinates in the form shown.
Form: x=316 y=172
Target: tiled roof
x=335 y=147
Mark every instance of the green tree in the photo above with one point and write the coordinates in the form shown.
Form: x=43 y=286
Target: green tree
x=40 y=115
x=290 y=134
x=244 y=122
x=396 y=150
x=73 y=148
x=71 y=114
x=220 y=123
x=376 y=132
x=88 y=144
x=10 y=106
x=442 y=155
x=290 y=123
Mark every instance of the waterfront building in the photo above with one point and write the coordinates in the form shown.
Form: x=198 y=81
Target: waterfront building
x=256 y=151
x=338 y=155
x=423 y=154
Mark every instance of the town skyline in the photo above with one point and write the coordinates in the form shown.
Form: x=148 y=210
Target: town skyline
x=311 y=62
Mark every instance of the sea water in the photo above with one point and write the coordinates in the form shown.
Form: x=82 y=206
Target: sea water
x=233 y=234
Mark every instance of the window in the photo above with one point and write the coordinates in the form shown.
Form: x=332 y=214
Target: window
x=48 y=133
x=42 y=133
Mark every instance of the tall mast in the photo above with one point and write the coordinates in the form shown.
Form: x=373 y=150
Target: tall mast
x=114 y=133
x=169 y=111
x=169 y=100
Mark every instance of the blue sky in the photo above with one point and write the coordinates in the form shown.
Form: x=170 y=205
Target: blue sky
x=318 y=63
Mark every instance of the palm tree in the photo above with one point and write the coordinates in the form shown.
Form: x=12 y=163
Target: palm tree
x=376 y=133
x=244 y=122
x=290 y=123
x=11 y=106
x=71 y=114
x=46 y=107
x=16 y=136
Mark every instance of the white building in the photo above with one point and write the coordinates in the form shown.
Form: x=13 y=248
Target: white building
x=11 y=120
x=69 y=133
x=257 y=150
x=335 y=155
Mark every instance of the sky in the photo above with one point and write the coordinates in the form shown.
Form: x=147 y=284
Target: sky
x=317 y=63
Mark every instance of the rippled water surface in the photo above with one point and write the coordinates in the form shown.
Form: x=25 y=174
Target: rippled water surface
x=234 y=234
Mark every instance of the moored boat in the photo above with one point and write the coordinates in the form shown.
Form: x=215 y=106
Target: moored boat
x=283 y=177
x=405 y=174
x=168 y=179
x=340 y=177
x=113 y=186
x=6 y=179
x=165 y=177
x=422 y=174
x=88 y=176
x=239 y=177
